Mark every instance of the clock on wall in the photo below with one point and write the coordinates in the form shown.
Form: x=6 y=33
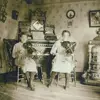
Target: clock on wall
x=70 y=14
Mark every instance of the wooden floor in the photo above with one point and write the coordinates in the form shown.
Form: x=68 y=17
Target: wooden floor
x=80 y=92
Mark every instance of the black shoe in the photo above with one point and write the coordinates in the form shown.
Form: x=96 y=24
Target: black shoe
x=65 y=87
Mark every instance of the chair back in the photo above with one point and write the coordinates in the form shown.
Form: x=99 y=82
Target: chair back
x=8 y=47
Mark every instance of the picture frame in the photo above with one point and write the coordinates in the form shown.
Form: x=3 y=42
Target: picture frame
x=37 y=25
x=94 y=18
x=24 y=26
x=49 y=29
x=50 y=33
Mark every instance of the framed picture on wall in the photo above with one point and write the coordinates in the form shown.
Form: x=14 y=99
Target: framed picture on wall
x=94 y=18
x=49 y=29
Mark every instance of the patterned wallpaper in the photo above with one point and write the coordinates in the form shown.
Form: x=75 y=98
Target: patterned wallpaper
x=80 y=30
x=9 y=28
x=56 y=14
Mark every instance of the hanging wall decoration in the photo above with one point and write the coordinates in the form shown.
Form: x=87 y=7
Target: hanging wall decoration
x=3 y=13
x=15 y=14
x=70 y=14
x=94 y=18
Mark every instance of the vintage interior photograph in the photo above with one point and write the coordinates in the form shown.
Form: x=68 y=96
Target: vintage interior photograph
x=49 y=49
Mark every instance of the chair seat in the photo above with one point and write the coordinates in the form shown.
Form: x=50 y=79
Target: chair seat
x=58 y=77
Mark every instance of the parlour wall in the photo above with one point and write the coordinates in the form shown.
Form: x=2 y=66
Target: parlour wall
x=56 y=15
x=9 y=29
x=79 y=26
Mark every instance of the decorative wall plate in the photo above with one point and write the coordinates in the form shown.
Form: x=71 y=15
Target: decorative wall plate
x=70 y=14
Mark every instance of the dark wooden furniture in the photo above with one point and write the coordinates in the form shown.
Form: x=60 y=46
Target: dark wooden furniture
x=11 y=68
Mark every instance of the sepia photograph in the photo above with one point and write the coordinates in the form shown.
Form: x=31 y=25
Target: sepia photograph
x=49 y=49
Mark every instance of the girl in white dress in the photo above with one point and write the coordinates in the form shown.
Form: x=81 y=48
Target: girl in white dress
x=63 y=62
x=24 y=60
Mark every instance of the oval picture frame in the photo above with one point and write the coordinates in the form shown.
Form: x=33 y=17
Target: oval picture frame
x=70 y=14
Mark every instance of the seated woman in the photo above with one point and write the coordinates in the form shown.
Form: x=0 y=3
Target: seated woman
x=24 y=60
x=64 y=58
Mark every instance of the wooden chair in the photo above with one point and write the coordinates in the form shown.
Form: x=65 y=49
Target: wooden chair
x=13 y=72
x=72 y=76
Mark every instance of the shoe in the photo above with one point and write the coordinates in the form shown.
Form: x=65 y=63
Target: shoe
x=48 y=85
x=32 y=87
x=49 y=82
x=66 y=87
x=28 y=85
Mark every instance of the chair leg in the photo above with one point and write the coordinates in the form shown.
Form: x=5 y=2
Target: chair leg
x=17 y=77
x=74 y=78
x=65 y=81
